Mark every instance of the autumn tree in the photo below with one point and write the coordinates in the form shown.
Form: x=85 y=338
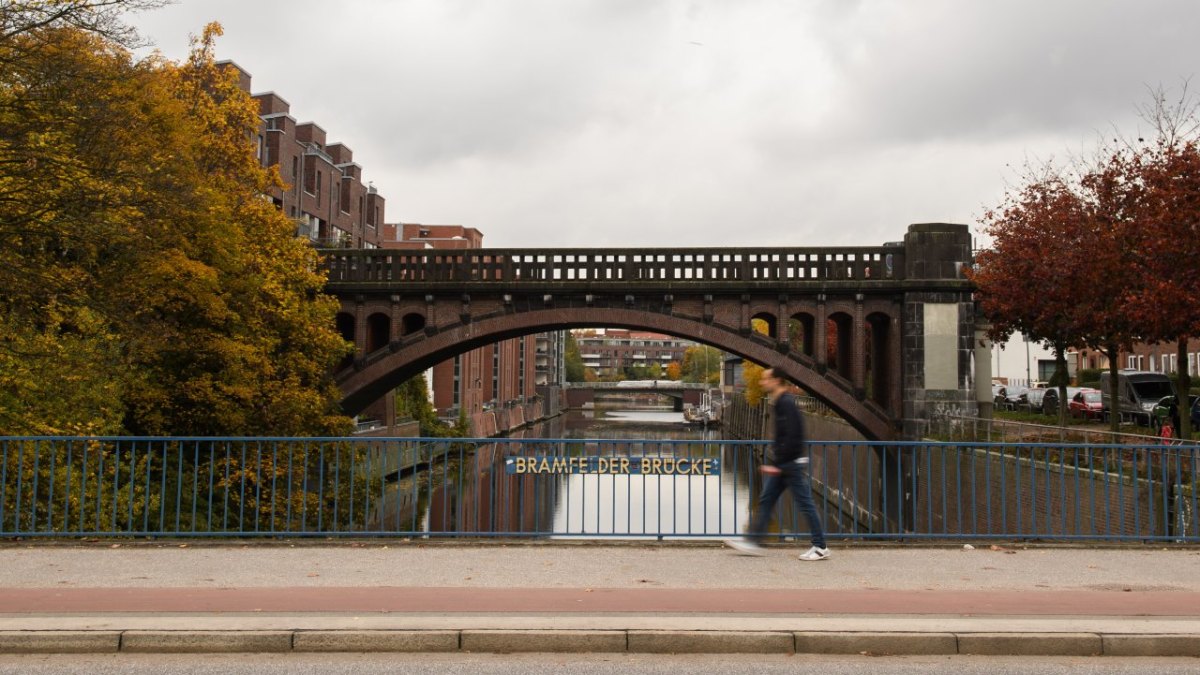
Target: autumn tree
x=1022 y=280
x=702 y=363
x=674 y=370
x=574 y=360
x=1106 y=263
x=751 y=376
x=1167 y=307
x=146 y=284
x=1063 y=265
x=99 y=18
x=1168 y=229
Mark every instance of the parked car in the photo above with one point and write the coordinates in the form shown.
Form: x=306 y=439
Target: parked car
x=1050 y=400
x=1013 y=397
x=1166 y=406
x=1032 y=399
x=1137 y=392
x=1086 y=404
x=999 y=395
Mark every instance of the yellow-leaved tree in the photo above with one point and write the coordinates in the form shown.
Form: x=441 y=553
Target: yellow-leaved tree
x=146 y=284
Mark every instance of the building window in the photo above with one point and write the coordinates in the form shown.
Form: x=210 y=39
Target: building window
x=318 y=188
x=295 y=168
x=1191 y=364
x=457 y=398
x=258 y=147
x=521 y=372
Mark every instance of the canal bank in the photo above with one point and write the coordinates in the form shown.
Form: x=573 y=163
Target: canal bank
x=753 y=422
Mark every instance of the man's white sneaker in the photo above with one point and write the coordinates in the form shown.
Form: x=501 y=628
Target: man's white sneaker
x=815 y=553
x=744 y=547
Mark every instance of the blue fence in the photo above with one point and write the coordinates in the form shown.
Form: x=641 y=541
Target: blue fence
x=328 y=487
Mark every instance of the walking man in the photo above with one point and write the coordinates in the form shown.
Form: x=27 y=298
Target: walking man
x=788 y=468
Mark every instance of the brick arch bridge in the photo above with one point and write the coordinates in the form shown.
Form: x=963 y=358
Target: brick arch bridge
x=883 y=335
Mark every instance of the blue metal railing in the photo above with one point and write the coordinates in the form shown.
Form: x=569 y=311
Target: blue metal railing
x=291 y=487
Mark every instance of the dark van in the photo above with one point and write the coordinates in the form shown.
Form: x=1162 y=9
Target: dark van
x=1137 y=392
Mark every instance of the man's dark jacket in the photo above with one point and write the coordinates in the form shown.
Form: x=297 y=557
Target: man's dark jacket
x=789 y=431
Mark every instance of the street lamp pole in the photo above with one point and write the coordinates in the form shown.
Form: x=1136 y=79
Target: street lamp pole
x=1028 y=369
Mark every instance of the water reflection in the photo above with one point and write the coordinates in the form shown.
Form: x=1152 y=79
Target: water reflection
x=468 y=492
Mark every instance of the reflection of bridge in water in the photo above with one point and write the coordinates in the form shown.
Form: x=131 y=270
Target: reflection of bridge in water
x=473 y=495
x=579 y=394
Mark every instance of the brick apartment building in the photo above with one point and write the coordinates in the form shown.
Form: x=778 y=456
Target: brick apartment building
x=332 y=206
x=503 y=374
x=1159 y=358
x=613 y=350
x=325 y=193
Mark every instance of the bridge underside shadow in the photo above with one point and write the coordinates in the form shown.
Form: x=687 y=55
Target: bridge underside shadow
x=387 y=367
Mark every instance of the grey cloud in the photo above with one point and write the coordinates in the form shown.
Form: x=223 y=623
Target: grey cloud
x=634 y=123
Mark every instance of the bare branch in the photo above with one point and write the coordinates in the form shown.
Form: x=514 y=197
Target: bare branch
x=101 y=17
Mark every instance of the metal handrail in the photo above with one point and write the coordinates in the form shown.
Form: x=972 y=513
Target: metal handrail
x=434 y=487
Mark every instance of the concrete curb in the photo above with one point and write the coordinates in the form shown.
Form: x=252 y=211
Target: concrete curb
x=876 y=643
x=585 y=641
x=60 y=642
x=375 y=641
x=207 y=642
x=543 y=641
x=1031 y=644
x=710 y=642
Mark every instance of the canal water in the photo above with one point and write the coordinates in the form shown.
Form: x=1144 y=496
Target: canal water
x=471 y=493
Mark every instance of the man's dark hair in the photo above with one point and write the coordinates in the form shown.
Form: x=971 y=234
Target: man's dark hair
x=774 y=375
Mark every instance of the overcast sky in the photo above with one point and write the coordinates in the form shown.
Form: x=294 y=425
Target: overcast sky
x=699 y=123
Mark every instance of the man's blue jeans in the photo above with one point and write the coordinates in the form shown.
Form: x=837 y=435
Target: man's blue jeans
x=794 y=479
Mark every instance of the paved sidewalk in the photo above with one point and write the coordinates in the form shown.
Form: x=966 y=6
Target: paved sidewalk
x=570 y=596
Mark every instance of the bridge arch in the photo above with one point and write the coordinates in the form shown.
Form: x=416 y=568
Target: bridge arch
x=878 y=347
x=801 y=333
x=769 y=321
x=840 y=327
x=345 y=326
x=386 y=368
x=900 y=346
x=379 y=331
x=410 y=323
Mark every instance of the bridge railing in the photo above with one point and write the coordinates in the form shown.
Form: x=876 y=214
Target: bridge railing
x=996 y=430
x=614 y=265
x=297 y=487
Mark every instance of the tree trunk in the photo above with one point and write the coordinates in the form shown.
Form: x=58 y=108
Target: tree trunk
x=1185 y=387
x=1062 y=378
x=1114 y=400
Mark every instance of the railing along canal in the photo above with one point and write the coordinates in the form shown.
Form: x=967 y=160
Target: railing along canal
x=328 y=487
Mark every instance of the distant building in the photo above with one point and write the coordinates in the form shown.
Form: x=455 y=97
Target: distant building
x=325 y=193
x=613 y=350
x=1161 y=357
x=418 y=236
x=1018 y=363
x=732 y=378
x=505 y=373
